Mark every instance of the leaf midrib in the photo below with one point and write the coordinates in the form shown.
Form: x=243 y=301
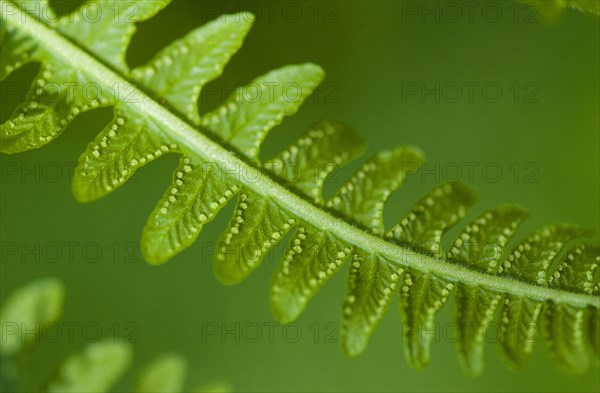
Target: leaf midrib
x=197 y=144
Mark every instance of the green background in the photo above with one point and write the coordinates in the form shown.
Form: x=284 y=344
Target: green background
x=369 y=50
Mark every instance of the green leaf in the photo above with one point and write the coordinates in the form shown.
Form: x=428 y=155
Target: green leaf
x=482 y=243
x=57 y=95
x=199 y=191
x=312 y=258
x=518 y=325
x=427 y=221
x=126 y=144
x=571 y=332
x=96 y=369
x=566 y=330
x=258 y=225
x=165 y=374
x=371 y=284
x=106 y=27
x=577 y=271
x=474 y=310
x=362 y=198
x=251 y=111
x=481 y=246
x=306 y=163
x=29 y=308
x=17 y=48
x=178 y=72
x=530 y=259
x=421 y=297
x=372 y=280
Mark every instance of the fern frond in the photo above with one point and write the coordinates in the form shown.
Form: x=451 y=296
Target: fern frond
x=97 y=368
x=485 y=273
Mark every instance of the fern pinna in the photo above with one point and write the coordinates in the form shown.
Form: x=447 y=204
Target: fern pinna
x=492 y=281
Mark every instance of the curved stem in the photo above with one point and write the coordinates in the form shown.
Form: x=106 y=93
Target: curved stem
x=205 y=148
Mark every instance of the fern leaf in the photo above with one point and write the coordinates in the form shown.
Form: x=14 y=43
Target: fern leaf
x=251 y=111
x=577 y=271
x=518 y=324
x=312 y=258
x=306 y=163
x=480 y=246
x=474 y=309
x=407 y=259
x=33 y=306
x=56 y=96
x=96 y=369
x=315 y=256
x=178 y=218
x=178 y=72
x=572 y=332
x=165 y=374
x=18 y=49
x=200 y=189
x=372 y=280
x=126 y=144
x=371 y=286
x=421 y=297
x=423 y=228
x=363 y=197
x=258 y=224
x=529 y=261
x=108 y=27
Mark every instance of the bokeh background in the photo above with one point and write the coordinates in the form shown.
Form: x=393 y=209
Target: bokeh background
x=542 y=133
